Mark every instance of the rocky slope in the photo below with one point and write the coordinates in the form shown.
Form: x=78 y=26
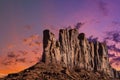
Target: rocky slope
x=42 y=71
x=72 y=57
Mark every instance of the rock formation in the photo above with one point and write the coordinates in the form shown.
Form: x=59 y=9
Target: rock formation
x=71 y=57
x=74 y=51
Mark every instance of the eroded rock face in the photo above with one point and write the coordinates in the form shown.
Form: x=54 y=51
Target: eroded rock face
x=73 y=50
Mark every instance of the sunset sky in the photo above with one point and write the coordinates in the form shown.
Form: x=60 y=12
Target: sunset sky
x=22 y=23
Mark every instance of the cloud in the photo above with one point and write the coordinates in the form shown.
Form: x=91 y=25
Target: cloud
x=11 y=54
x=35 y=52
x=33 y=44
x=11 y=61
x=27 y=40
x=23 y=52
x=32 y=41
x=111 y=55
x=23 y=60
x=12 y=57
x=31 y=38
x=79 y=25
x=116 y=59
x=92 y=39
x=31 y=61
x=34 y=37
x=114 y=48
x=8 y=61
x=114 y=36
x=115 y=62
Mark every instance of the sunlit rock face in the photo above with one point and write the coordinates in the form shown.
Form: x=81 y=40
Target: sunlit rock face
x=73 y=50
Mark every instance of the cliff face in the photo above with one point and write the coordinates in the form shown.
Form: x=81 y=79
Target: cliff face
x=74 y=51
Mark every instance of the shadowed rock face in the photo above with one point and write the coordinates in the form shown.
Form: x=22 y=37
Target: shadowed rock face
x=73 y=50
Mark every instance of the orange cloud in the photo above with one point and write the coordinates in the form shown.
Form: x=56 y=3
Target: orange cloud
x=10 y=46
x=33 y=40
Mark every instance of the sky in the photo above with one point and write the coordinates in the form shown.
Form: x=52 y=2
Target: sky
x=23 y=21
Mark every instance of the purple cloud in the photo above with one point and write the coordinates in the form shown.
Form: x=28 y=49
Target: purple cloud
x=79 y=25
x=113 y=35
x=92 y=39
x=111 y=55
x=112 y=39
x=114 y=48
